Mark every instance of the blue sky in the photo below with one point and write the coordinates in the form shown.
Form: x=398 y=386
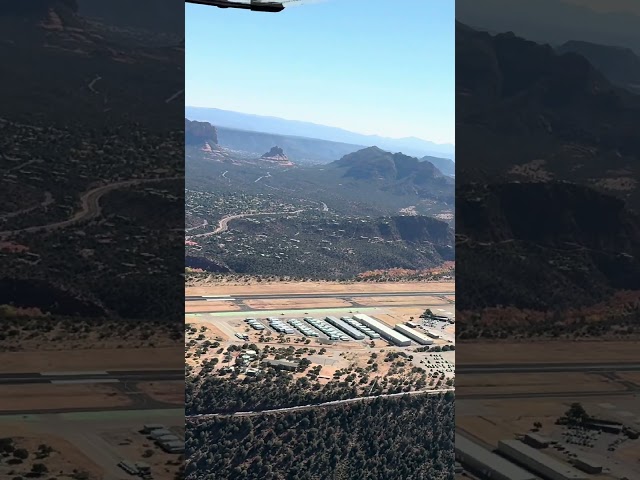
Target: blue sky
x=368 y=66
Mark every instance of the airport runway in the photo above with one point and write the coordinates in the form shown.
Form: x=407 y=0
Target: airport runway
x=540 y=395
x=124 y=381
x=287 y=296
x=91 y=377
x=155 y=405
x=462 y=369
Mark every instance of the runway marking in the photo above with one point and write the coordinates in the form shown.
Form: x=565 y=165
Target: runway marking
x=68 y=374
x=219 y=299
x=123 y=414
x=606 y=405
x=216 y=296
x=95 y=380
x=273 y=313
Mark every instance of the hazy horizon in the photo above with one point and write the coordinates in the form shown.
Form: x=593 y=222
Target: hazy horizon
x=314 y=123
x=361 y=66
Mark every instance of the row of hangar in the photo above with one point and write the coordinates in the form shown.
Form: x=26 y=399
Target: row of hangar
x=358 y=327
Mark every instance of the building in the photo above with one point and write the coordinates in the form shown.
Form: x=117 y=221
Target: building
x=357 y=325
x=280 y=327
x=242 y=359
x=587 y=465
x=128 y=467
x=432 y=334
x=143 y=468
x=149 y=427
x=282 y=364
x=160 y=432
x=544 y=465
x=536 y=441
x=385 y=332
x=330 y=331
x=486 y=464
x=173 y=447
x=303 y=328
x=346 y=328
x=414 y=335
x=604 y=426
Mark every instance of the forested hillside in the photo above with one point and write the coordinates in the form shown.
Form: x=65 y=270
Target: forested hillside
x=392 y=439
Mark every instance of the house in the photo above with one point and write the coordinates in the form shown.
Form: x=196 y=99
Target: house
x=282 y=364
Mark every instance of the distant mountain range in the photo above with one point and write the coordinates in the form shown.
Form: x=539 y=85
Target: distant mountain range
x=299 y=150
x=547 y=186
x=527 y=112
x=273 y=125
x=608 y=40
x=445 y=165
x=551 y=21
x=619 y=64
x=374 y=163
x=395 y=172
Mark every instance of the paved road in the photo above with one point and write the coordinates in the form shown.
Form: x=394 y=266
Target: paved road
x=202 y=225
x=462 y=369
x=90 y=205
x=89 y=377
x=279 y=296
x=319 y=405
x=223 y=224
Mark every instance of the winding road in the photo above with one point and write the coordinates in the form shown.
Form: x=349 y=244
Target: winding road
x=223 y=224
x=202 y=225
x=93 y=82
x=90 y=206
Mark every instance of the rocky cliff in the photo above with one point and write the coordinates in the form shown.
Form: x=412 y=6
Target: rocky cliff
x=277 y=155
x=199 y=134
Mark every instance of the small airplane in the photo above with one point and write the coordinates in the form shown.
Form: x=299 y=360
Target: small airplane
x=255 y=5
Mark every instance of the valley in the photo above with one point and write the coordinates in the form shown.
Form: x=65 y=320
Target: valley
x=319 y=243
x=253 y=215
x=275 y=249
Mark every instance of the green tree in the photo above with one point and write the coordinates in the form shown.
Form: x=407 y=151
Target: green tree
x=39 y=469
x=21 y=453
